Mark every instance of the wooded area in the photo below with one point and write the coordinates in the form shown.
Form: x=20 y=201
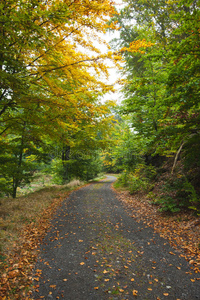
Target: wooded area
x=160 y=148
x=53 y=75
x=57 y=132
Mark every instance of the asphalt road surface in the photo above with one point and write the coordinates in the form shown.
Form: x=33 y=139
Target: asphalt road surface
x=95 y=250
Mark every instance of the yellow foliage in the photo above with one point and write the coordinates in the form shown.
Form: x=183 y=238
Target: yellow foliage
x=65 y=63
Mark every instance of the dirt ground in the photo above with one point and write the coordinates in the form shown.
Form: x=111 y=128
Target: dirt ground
x=96 y=250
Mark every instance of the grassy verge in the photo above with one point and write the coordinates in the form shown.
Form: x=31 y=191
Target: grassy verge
x=100 y=177
x=24 y=222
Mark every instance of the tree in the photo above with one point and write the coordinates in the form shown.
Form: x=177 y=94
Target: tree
x=162 y=85
x=49 y=85
x=166 y=75
x=51 y=68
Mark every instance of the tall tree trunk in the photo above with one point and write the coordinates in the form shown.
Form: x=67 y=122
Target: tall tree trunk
x=16 y=177
x=65 y=158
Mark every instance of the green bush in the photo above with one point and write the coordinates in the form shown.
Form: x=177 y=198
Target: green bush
x=178 y=193
x=138 y=184
x=139 y=180
x=194 y=199
x=83 y=168
x=168 y=203
x=124 y=179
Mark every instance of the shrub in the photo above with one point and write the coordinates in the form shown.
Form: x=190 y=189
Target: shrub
x=139 y=180
x=178 y=193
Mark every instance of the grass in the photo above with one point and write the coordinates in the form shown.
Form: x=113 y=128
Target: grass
x=25 y=209
x=23 y=223
x=120 y=187
x=101 y=176
x=40 y=181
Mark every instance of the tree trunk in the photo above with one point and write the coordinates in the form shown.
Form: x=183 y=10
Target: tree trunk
x=65 y=158
x=16 y=178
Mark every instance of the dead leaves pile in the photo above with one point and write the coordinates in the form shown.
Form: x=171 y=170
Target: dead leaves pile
x=182 y=229
x=16 y=268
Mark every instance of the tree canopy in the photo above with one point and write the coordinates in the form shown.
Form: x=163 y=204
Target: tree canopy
x=161 y=90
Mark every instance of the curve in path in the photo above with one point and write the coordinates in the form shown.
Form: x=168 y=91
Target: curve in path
x=95 y=250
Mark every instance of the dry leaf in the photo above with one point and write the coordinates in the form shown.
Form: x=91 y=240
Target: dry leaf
x=135 y=292
x=82 y=263
x=132 y=279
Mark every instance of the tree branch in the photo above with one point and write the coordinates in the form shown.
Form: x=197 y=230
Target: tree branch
x=176 y=157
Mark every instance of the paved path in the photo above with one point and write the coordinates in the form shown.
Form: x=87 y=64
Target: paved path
x=95 y=250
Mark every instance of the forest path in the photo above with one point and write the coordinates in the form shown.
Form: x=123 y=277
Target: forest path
x=95 y=250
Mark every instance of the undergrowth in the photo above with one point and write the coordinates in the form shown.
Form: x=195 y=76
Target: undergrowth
x=170 y=192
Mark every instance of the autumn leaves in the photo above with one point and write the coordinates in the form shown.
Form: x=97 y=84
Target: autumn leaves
x=50 y=81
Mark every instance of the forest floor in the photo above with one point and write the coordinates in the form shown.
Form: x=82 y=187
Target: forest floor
x=103 y=244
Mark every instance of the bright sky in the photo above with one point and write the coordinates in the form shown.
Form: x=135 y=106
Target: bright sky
x=114 y=73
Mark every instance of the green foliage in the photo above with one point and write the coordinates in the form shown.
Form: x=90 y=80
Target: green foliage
x=124 y=179
x=172 y=189
x=50 y=85
x=177 y=193
x=56 y=170
x=19 y=157
x=140 y=179
x=143 y=178
x=168 y=204
x=194 y=199
x=83 y=167
x=162 y=95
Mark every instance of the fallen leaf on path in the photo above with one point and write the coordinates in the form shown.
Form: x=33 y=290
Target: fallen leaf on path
x=37 y=279
x=132 y=279
x=82 y=263
x=135 y=292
